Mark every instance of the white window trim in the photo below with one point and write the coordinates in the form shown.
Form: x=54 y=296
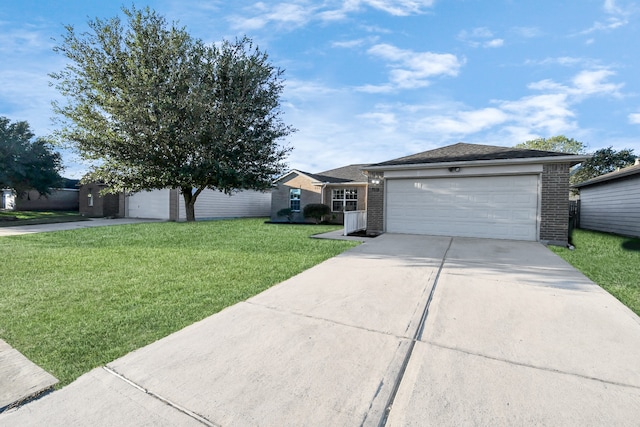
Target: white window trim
x=344 y=198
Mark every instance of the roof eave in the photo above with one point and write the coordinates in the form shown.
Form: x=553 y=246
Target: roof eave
x=572 y=159
x=603 y=178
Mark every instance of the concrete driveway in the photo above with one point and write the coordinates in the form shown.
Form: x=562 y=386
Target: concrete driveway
x=402 y=330
x=61 y=226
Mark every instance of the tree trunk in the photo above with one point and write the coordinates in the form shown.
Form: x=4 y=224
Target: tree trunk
x=190 y=201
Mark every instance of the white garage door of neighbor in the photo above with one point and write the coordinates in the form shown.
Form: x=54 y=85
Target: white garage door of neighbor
x=498 y=207
x=149 y=204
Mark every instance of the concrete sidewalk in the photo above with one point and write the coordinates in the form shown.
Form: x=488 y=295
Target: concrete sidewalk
x=402 y=330
x=60 y=226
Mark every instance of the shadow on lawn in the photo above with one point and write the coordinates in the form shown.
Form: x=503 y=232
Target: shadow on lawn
x=631 y=245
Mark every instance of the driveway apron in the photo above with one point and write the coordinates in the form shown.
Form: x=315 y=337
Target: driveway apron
x=402 y=330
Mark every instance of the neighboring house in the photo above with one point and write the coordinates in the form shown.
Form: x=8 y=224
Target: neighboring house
x=611 y=202
x=60 y=199
x=95 y=205
x=473 y=190
x=8 y=201
x=342 y=189
x=168 y=204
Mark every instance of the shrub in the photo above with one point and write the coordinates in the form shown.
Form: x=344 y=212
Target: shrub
x=316 y=211
x=286 y=212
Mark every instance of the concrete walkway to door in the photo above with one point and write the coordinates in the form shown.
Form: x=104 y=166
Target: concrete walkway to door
x=402 y=330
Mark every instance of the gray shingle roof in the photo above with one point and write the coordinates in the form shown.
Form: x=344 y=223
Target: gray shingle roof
x=350 y=173
x=463 y=152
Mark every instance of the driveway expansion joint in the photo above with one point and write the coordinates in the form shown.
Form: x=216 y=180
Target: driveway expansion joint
x=528 y=365
x=168 y=402
x=324 y=319
x=416 y=338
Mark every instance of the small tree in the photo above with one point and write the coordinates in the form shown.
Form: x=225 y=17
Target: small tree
x=559 y=143
x=158 y=109
x=316 y=211
x=26 y=164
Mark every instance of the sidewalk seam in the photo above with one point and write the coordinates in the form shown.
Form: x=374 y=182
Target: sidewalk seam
x=417 y=336
x=182 y=409
x=527 y=365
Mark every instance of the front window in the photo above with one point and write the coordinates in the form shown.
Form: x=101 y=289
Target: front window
x=294 y=199
x=344 y=199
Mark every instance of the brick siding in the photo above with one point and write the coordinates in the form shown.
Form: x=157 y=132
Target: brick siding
x=554 y=221
x=375 y=204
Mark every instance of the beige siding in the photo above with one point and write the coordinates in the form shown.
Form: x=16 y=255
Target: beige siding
x=612 y=207
x=215 y=204
x=309 y=193
x=338 y=217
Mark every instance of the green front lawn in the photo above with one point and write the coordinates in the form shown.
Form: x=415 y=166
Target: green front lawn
x=609 y=260
x=74 y=300
x=37 y=217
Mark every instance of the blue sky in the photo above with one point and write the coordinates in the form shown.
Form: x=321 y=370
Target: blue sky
x=372 y=80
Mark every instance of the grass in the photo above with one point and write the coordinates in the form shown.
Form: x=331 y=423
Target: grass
x=609 y=260
x=75 y=300
x=37 y=217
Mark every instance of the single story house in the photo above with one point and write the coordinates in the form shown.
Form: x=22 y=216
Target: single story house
x=342 y=189
x=473 y=190
x=168 y=204
x=611 y=202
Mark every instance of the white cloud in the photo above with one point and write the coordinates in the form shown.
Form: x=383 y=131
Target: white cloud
x=585 y=83
x=411 y=69
x=493 y=43
x=400 y=7
x=527 y=32
x=294 y=14
x=634 y=118
x=289 y=15
x=348 y=44
x=463 y=122
x=23 y=41
x=616 y=17
x=480 y=37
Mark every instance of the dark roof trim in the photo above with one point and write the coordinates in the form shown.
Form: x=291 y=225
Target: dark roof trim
x=568 y=158
x=463 y=152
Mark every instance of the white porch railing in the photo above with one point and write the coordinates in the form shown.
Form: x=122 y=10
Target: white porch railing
x=354 y=221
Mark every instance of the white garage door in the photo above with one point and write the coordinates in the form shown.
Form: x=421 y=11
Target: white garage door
x=498 y=207
x=149 y=204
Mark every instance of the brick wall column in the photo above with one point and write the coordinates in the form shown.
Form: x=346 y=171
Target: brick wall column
x=375 y=203
x=554 y=217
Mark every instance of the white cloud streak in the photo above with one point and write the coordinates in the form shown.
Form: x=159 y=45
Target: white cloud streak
x=295 y=14
x=480 y=37
x=411 y=70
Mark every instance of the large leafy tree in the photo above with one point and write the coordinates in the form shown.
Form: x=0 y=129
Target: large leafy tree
x=26 y=163
x=603 y=161
x=156 y=108
x=559 y=143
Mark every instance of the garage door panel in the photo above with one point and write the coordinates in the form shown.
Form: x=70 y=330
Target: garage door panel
x=495 y=207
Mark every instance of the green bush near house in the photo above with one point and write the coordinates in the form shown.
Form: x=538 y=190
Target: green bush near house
x=286 y=212
x=74 y=300
x=609 y=260
x=316 y=211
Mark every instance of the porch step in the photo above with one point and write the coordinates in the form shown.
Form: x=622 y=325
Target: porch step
x=21 y=380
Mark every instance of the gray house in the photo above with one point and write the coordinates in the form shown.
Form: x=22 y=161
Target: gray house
x=611 y=202
x=473 y=190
